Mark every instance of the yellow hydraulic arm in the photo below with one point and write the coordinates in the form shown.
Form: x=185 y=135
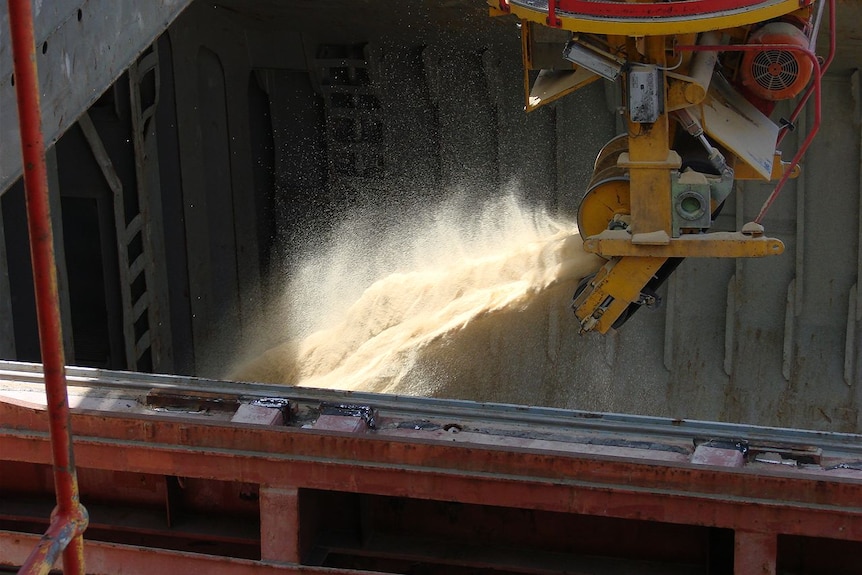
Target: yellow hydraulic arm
x=691 y=130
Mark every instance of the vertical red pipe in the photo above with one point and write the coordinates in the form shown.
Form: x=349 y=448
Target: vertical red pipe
x=823 y=67
x=69 y=519
x=803 y=147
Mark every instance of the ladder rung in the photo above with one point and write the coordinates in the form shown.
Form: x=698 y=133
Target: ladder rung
x=136 y=268
x=147 y=64
x=133 y=228
x=140 y=306
x=142 y=344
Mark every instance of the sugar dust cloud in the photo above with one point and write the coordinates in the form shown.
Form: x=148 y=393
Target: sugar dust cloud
x=432 y=305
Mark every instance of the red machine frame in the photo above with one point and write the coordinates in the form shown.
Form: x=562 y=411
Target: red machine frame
x=709 y=488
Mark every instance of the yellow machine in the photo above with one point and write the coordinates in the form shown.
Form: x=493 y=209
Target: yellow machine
x=699 y=80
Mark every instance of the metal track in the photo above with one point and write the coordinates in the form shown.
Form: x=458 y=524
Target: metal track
x=488 y=414
x=519 y=461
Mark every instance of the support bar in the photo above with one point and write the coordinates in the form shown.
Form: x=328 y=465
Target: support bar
x=69 y=519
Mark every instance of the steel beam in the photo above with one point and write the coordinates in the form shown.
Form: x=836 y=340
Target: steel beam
x=279 y=525
x=754 y=553
x=630 y=470
x=134 y=560
x=83 y=47
x=466 y=412
x=807 y=503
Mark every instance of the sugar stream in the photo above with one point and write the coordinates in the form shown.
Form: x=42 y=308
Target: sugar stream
x=414 y=311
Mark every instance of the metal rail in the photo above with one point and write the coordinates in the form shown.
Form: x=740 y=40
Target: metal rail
x=69 y=519
x=458 y=411
x=760 y=503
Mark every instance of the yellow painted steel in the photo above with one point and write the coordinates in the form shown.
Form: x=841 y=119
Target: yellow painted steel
x=608 y=190
x=742 y=171
x=606 y=200
x=683 y=91
x=610 y=153
x=602 y=203
x=657 y=26
x=617 y=285
x=632 y=177
x=531 y=103
x=648 y=158
x=712 y=245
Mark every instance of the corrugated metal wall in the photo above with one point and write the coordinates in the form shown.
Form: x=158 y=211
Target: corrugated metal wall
x=776 y=341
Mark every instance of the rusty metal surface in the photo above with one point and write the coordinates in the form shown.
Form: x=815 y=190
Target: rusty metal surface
x=420 y=456
x=100 y=389
x=108 y=559
x=806 y=500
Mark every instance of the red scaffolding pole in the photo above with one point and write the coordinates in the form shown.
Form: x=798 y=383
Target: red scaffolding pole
x=818 y=71
x=69 y=519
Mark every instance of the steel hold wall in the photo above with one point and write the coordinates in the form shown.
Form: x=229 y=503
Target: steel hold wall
x=773 y=342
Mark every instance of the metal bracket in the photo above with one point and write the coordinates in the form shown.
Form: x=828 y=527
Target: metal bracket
x=645 y=94
x=364 y=412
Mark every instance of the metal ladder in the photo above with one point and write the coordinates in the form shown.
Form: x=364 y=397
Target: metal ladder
x=136 y=221
x=354 y=120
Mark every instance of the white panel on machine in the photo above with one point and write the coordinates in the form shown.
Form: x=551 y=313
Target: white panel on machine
x=738 y=125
